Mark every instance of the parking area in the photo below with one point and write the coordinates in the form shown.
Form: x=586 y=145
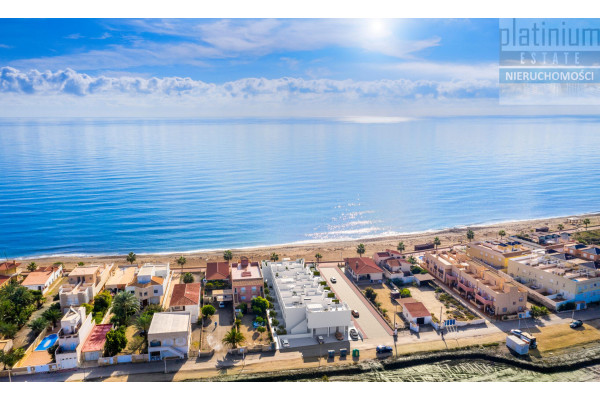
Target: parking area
x=367 y=323
x=212 y=335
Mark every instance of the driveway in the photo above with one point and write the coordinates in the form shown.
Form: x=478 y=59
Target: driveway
x=213 y=336
x=367 y=322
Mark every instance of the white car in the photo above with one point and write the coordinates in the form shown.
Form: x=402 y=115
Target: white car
x=333 y=280
x=285 y=343
x=222 y=304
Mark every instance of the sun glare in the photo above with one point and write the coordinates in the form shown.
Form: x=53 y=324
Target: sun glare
x=378 y=28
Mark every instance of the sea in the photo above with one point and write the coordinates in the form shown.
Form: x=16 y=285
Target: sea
x=110 y=186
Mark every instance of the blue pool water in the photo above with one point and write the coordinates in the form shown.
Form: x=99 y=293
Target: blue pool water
x=106 y=187
x=47 y=342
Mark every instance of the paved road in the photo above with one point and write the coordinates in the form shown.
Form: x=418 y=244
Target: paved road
x=367 y=322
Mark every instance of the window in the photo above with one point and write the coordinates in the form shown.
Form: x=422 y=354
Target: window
x=504 y=309
x=253 y=289
x=243 y=290
x=155 y=291
x=243 y=297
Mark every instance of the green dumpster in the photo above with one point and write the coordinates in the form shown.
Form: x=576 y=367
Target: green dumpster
x=355 y=353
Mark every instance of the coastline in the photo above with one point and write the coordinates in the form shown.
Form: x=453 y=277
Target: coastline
x=330 y=250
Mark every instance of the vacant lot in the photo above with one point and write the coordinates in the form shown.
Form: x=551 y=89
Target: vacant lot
x=253 y=337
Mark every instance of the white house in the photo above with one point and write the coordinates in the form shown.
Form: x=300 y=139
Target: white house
x=186 y=297
x=416 y=313
x=151 y=283
x=43 y=278
x=169 y=335
x=305 y=304
x=75 y=327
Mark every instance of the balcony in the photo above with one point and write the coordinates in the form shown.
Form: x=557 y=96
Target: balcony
x=483 y=300
x=451 y=277
x=465 y=287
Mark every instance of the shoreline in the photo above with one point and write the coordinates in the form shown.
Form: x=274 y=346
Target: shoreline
x=332 y=250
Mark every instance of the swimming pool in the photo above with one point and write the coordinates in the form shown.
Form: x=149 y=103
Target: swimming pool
x=47 y=342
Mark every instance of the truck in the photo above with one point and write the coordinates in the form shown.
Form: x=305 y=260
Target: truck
x=517 y=345
x=526 y=337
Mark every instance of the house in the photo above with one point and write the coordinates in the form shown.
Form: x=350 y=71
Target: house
x=75 y=327
x=553 y=281
x=84 y=283
x=496 y=253
x=151 y=283
x=120 y=278
x=307 y=308
x=545 y=238
x=591 y=253
x=246 y=281
x=218 y=271
x=415 y=312
x=43 y=278
x=169 y=335
x=396 y=268
x=93 y=348
x=9 y=271
x=186 y=297
x=363 y=270
x=491 y=291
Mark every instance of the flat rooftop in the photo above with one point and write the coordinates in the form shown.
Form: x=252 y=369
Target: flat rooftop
x=249 y=272
x=168 y=322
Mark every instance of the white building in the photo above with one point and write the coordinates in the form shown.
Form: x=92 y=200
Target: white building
x=43 y=278
x=169 y=335
x=304 y=302
x=151 y=283
x=75 y=327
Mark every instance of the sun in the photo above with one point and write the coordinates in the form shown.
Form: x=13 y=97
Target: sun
x=378 y=28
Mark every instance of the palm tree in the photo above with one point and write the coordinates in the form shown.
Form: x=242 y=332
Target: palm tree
x=143 y=323
x=32 y=267
x=10 y=358
x=560 y=227
x=470 y=235
x=131 y=257
x=502 y=233
x=124 y=306
x=274 y=257
x=181 y=261
x=38 y=324
x=360 y=249
x=233 y=338
x=227 y=255
x=53 y=315
x=401 y=247
x=318 y=256
x=586 y=222
x=436 y=241
x=38 y=297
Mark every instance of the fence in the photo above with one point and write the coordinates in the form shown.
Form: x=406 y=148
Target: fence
x=33 y=345
x=123 y=359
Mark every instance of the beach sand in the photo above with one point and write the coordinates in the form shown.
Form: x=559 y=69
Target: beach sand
x=331 y=251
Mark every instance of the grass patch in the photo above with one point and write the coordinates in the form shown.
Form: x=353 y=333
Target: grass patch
x=588 y=237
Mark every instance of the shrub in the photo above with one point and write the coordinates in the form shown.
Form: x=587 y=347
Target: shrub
x=405 y=293
x=281 y=331
x=243 y=307
x=115 y=342
x=327 y=288
x=266 y=291
x=275 y=322
x=188 y=277
x=316 y=273
x=330 y=294
x=322 y=283
x=98 y=317
x=259 y=320
x=397 y=282
x=88 y=308
x=239 y=315
x=336 y=301
x=272 y=313
x=269 y=298
x=208 y=310
x=566 y=306
x=260 y=305
x=370 y=294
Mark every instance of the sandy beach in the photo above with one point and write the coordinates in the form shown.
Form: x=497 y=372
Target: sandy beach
x=331 y=251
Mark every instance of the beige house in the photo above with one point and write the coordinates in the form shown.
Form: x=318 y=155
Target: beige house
x=151 y=283
x=85 y=282
x=483 y=287
x=120 y=278
x=553 y=281
x=496 y=253
x=169 y=335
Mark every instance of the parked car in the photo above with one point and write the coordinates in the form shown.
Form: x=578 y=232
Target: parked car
x=353 y=334
x=576 y=324
x=333 y=280
x=285 y=343
x=339 y=336
x=384 y=349
x=355 y=313
x=222 y=304
x=320 y=339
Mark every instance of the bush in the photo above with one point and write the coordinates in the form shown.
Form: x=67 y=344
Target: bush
x=98 y=317
x=115 y=342
x=272 y=313
x=88 y=308
x=266 y=291
x=208 y=310
x=269 y=298
x=322 y=283
x=566 y=306
x=316 y=273
x=275 y=322
x=243 y=307
x=259 y=320
x=260 y=305
x=405 y=293
x=239 y=316
x=370 y=294
x=397 y=282
x=330 y=294
x=281 y=331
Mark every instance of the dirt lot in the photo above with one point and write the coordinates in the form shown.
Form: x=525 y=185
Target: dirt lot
x=387 y=303
x=253 y=337
x=135 y=341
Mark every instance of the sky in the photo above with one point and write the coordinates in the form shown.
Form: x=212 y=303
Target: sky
x=372 y=68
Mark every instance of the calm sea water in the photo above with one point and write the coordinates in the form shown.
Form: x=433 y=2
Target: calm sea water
x=103 y=187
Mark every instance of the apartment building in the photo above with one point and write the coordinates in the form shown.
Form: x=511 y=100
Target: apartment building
x=151 y=283
x=75 y=328
x=304 y=303
x=496 y=253
x=246 y=281
x=489 y=290
x=84 y=283
x=554 y=281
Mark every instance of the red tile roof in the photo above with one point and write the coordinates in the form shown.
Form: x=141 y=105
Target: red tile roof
x=394 y=252
x=37 y=278
x=362 y=265
x=5 y=266
x=218 y=271
x=383 y=254
x=97 y=338
x=393 y=262
x=417 y=310
x=185 y=294
x=4 y=279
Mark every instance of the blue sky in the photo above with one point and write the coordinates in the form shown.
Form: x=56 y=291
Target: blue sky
x=247 y=67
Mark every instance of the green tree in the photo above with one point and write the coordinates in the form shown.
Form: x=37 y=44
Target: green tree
x=412 y=260
x=11 y=357
x=88 y=308
x=537 y=311
x=259 y=306
x=81 y=263
x=405 y=293
x=131 y=257
x=370 y=294
x=181 y=261
x=502 y=233
x=208 y=310
x=360 y=249
x=586 y=222
x=38 y=325
x=124 y=306
x=153 y=308
x=116 y=340
x=233 y=338
x=401 y=247
x=261 y=330
x=274 y=257
x=143 y=323
x=102 y=302
x=188 y=277
x=318 y=257
x=32 y=267
x=227 y=255
x=8 y=330
x=470 y=235
x=38 y=297
x=53 y=315
x=52 y=351
x=560 y=227
x=436 y=241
